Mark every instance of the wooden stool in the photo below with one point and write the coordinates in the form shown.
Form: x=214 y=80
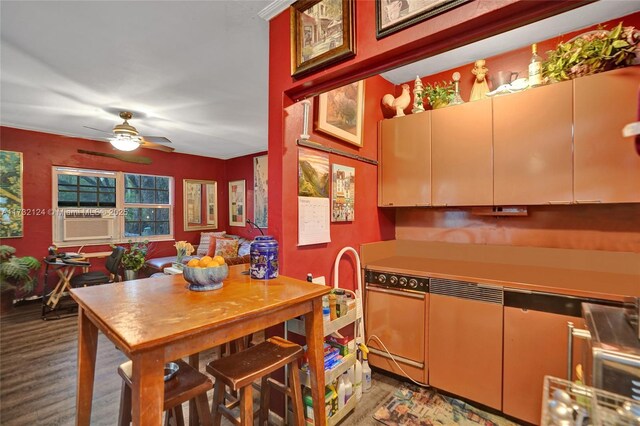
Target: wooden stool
x=187 y=384
x=240 y=370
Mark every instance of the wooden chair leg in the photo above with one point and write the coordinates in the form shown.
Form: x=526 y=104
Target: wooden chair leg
x=264 y=401
x=246 y=406
x=179 y=415
x=296 y=393
x=202 y=406
x=218 y=398
x=124 y=417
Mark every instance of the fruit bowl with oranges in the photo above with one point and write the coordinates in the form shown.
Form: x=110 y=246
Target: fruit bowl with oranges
x=206 y=273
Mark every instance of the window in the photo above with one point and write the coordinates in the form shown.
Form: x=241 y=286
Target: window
x=98 y=206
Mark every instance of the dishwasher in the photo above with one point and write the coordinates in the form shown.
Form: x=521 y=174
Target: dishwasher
x=465 y=340
x=396 y=314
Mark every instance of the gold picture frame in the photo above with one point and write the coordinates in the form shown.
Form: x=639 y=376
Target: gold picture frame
x=322 y=33
x=199 y=215
x=340 y=113
x=237 y=203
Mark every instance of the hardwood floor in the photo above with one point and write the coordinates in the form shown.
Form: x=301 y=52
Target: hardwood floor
x=38 y=374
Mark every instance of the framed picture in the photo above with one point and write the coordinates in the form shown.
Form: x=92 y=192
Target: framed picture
x=199 y=214
x=11 y=215
x=260 y=190
x=237 y=213
x=396 y=15
x=313 y=173
x=321 y=34
x=340 y=112
x=343 y=193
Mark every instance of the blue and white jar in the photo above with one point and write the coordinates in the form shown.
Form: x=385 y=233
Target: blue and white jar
x=264 y=258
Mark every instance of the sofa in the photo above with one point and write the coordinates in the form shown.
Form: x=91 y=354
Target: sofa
x=205 y=247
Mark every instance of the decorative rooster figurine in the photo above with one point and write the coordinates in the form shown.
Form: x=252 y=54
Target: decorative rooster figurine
x=399 y=103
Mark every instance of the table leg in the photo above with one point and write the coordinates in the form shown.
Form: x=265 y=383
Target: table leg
x=147 y=388
x=87 y=349
x=315 y=338
x=194 y=420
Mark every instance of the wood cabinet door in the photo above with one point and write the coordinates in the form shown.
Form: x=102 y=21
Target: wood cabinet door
x=465 y=348
x=405 y=161
x=607 y=167
x=535 y=345
x=532 y=141
x=462 y=156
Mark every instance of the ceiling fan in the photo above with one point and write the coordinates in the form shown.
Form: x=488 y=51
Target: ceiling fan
x=125 y=137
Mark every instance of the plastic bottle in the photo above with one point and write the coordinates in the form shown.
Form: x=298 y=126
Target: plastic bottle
x=357 y=381
x=341 y=392
x=348 y=386
x=366 y=371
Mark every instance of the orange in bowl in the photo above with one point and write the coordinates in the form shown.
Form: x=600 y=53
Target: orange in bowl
x=205 y=261
x=193 y=262
x=219 y=259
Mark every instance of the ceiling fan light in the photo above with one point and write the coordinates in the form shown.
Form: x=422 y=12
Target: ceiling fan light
x=125 y=142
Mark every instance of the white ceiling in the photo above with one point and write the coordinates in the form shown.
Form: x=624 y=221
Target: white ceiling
x=195 y=72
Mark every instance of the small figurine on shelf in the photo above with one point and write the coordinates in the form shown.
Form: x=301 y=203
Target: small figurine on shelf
x=457 y=99
x=400 y=103
x=418 y=104
x=480 y=87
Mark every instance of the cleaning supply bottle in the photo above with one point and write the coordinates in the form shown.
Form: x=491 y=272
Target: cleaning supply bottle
x=341 y=392
x=357 y=377
x=348 y=386
x=366 y=370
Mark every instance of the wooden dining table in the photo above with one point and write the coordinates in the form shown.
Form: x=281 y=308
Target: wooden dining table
x=158 y=320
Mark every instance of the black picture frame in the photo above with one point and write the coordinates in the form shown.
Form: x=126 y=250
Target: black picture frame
x=388 y=23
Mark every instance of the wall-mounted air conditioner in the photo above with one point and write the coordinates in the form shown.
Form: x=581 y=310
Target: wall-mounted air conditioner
x=90 y=224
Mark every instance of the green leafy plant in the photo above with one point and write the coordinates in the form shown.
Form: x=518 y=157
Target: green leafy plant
x=133 y=258
x=17 y=272
x=439 y=95
x=591 y=53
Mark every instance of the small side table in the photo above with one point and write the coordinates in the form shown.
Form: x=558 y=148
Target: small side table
x=172 y=271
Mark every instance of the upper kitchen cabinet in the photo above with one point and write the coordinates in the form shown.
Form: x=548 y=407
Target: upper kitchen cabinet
x=404 y=173
x=607 y=168
x=462 y=158
x=532 y=140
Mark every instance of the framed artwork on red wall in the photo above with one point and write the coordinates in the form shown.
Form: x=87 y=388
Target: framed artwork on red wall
x=340 y=112
x=237 y=201
x=321 y=34
x=396 y=15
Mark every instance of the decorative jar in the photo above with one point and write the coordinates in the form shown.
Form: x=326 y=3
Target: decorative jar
x=264 y=258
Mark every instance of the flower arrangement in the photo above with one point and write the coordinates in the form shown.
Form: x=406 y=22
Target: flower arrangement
x=184 y=249
x=439 y=95
x=591 y=53
x=133 y=259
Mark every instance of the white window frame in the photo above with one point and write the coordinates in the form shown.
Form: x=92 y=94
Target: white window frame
x=118 y=211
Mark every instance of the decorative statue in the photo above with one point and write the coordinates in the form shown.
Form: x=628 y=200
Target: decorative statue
x=457 y=99
x=418 y=103
x=480 y=86
x=400 y=103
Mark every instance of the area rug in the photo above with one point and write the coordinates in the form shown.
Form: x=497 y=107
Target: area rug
x=413 y=406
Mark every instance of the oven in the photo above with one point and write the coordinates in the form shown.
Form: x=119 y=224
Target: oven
x=396 y=313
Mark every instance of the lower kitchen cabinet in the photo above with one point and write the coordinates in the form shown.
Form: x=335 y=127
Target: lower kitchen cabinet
x=465 y=348
x=535 y=345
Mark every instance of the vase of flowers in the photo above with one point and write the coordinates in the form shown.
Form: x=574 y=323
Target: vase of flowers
x=183 y=249
x=591 y=53
x=133 y=259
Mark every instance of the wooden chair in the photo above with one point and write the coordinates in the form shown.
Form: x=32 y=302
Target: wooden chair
x=240 y=370
x=187 y=384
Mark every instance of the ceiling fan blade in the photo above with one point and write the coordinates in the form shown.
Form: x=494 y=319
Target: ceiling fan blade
x=151 y=145
x=155 y=139
x=99 y=130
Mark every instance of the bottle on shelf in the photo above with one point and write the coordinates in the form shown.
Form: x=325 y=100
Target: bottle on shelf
x=341 y=392
x=535 y=67
x=348 y=385
x=357 y=379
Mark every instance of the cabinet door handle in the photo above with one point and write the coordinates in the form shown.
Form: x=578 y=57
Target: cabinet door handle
x=559 y=202
x=588 y=201
x=571 y=333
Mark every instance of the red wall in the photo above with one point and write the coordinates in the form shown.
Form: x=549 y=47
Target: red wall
x=41 y=151
x=241 y=168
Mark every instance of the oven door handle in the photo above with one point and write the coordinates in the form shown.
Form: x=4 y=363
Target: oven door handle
x=397 y=358
x=396 y=292
x=572 y=332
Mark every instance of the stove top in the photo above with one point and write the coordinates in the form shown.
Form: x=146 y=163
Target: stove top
x=397 y=281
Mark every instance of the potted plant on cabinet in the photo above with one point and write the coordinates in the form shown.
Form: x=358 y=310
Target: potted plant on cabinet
x=133 y=259
x=16 y=273
x=439 y=95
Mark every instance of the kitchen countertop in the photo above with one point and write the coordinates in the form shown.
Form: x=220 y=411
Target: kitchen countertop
x=510 y=273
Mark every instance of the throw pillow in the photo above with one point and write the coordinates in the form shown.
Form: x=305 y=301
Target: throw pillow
x=205 y=240
x=245 y=248
x=226 y=247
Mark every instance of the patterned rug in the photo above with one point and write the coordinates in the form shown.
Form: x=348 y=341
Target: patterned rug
x=414 y=406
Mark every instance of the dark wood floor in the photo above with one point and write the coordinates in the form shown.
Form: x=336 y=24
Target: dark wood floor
x=38 y=374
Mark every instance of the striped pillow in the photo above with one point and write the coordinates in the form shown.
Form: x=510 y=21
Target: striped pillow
x=205 y=239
